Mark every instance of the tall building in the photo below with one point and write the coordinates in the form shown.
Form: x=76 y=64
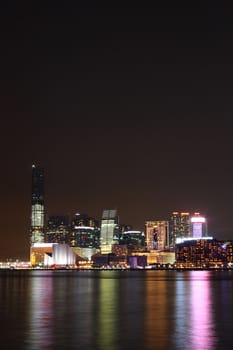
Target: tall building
x=198 y=226
x=184 y=225
x=179 y=227
x=174 y=229
x=185 y=230
x=57 y=230
x=85 y=232
x=109 y=231
x=37 y=206
x=157 y=237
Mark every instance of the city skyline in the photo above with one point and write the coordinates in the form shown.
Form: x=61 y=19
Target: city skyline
x=125 y=108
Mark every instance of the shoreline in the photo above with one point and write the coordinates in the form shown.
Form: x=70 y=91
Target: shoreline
x=117 y=269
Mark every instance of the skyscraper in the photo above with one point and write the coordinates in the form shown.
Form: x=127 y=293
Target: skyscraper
x=156 y=235
x=198 y=226
x=109 y=232
x=186 y=226
x=179 y=227
x=85 y=232
x=37 y=205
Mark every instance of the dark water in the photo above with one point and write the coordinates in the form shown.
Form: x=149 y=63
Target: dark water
x=116 y=310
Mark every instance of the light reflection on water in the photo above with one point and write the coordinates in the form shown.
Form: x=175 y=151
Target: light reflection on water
x=40 y=314
x=156 y=322
x=202 y=331
x=194 y=312
x=100 y=310
x=107 y=325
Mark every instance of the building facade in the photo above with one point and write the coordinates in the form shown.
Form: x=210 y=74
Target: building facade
x=85 y=232
x=204 y=252
x=198 y=226
x=179 y=227
x=157 y=235
x=186 y=225
x=57 y=230
x=37 y=206
x=133 y=239
x=109 y=231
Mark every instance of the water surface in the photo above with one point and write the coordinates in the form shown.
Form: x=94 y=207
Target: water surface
x=164 y=310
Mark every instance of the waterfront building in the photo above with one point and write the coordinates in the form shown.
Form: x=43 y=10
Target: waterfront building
x=52 y=254
x=137 y=261
x=157 y=235
x=85 y=253
x=204 y=252
x=57 y=230
x=37 y=206
x=109 y=231
x=156 y=257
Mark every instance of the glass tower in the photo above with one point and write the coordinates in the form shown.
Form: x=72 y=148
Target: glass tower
x=37 y=209
x=109 y=232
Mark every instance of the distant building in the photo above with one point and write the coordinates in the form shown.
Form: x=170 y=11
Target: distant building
x=52 y=254
x=57 y=230
x=120 y=249
x=109 y=231
x=204 y=252
x=186 y=225
x=85 y=253
x=124 y=227
x=137 y=261
x=157 y=257
x=133 y=239
x=179 y=227
x=156 y=235
x=37 y=206
x=85 y=232
x=84 y=220
x=198 y=226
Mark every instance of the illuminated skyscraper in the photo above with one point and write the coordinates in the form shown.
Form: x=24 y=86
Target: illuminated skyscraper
x=179 y=227
x=85 y=232
x=109 y=232
x=184 y=226
x=156 y=235
x=37 y=208
x=198 y=226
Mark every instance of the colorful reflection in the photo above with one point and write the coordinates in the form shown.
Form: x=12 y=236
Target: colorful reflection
x=202 y=334
x=194 y=307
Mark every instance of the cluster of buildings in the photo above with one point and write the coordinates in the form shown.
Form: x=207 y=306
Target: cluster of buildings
x=83 y=241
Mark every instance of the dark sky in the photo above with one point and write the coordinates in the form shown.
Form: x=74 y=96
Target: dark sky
x=125 y=107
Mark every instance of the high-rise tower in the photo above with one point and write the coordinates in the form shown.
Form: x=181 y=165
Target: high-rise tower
x=198 y=226
x=37 y=208
x=156 y=235
x=109 y=232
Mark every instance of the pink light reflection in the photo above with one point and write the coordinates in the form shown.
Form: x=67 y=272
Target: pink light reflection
x=201 y=323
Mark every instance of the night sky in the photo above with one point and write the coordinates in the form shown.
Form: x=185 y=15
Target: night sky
x=126 y=108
